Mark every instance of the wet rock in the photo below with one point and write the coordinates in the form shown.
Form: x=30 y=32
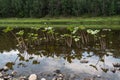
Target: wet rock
x=1 y=69
x=84 y=61
x=43 y=79
x=23 y=78
x=32 y=77
x=5 y=68
x=6 y=77
x=59 y=77
x=57 y=71
x=1 y=75
x=13 y=73
x=1 y=79
x=98 y=76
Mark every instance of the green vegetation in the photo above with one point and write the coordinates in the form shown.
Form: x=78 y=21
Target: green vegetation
x=60 y=13
x=94 y=22
x=42 y=8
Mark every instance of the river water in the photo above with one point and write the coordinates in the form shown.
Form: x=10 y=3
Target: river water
x=93 y=58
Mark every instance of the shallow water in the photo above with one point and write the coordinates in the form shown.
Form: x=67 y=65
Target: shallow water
x=48 y=57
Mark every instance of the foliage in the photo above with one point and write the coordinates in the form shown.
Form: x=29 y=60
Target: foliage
x=7 y=29
x=21 y=32
x=41 y=8
x=93 y=32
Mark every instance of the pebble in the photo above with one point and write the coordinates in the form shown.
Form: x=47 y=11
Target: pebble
x=57 y=71
x=1 y=69
x=98 y=76
x=5 y=68
x=22 y=78
x=84 y=61
x=14 y=73
x=43 y=79
x=1 y=74
x=32 y=77
x=1 y=79
x=58 y=77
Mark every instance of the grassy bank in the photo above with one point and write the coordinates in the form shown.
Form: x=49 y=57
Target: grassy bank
x=95 y=22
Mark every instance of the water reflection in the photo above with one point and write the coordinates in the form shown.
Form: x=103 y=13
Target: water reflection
x=39 y=64
x=95 y=56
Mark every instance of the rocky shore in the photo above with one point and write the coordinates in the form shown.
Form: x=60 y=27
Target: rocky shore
x=55 y=75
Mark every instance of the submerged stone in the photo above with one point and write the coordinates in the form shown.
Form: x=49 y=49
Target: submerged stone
x=32 y=77
x=1 y=74
x=84 y=61
x=5 y=68
x=57 y=71
x=1 y=79
x=23 y=78
x=43 y=79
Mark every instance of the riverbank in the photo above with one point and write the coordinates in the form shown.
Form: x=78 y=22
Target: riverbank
x=93 y=22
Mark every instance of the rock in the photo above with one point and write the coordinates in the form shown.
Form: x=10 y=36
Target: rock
x=58 y=77
x=98 y=76
x=1 y=74
x=14 y=73
x=43 y=79
x=22 y=78
x=32 y=77
x=5 y=68
x=57 y=71
x=10 y=77
x=1 y=69
x=1 y=79
x=84 y=61
x=6 y=76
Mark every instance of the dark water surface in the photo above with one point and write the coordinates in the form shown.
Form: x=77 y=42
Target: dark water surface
x=100 y=51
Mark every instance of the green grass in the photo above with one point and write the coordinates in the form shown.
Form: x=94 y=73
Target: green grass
x=94 y=22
